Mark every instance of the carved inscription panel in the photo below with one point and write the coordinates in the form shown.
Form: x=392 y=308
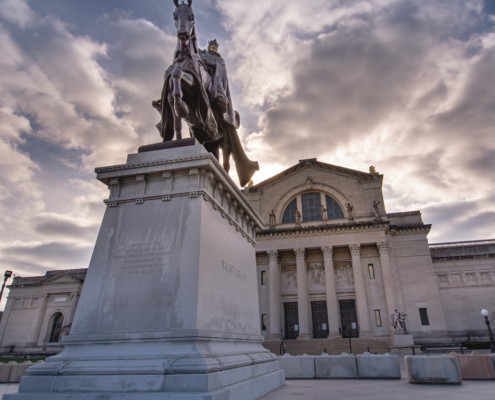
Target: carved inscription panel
x=142 y=258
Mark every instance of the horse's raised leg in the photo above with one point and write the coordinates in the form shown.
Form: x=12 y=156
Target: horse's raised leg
x=181 y=108
x=177 y=120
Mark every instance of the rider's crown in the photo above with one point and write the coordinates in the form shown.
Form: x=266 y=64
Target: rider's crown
x=213 y=45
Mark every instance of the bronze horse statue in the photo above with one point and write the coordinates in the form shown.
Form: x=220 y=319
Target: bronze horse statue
x=196 y=90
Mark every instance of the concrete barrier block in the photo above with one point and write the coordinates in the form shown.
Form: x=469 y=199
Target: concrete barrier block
x=343 y=366
x=475 y=365
x=299 y=367
x=433 y=369
x=381 y=366
x=18 y=371
x=5 y=371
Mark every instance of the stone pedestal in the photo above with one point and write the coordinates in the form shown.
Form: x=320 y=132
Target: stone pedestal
x=170 y=305
x=403 y=344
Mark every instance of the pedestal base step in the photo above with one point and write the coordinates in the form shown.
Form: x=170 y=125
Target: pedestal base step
x=249 y=383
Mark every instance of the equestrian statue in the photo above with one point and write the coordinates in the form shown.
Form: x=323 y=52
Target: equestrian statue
x=196 y=89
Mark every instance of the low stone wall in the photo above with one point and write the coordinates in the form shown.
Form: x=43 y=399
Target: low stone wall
x=12 y=372
x=336 y=367
x=433 y=369
x=299 y=367
x=378 y=366
x=382 y=366
x=475 y=365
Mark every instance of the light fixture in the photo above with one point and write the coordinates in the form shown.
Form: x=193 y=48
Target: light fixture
x=484 y=313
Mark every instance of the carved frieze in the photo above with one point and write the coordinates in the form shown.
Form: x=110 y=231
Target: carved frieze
x=316 y=274
x=289 y=278
x=485 y=277
x=344 y=276
x=443 y=280
x=470 y=277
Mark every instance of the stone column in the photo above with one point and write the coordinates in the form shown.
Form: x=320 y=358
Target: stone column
x=302 y=295
x=332 y=303
x=361 y=302
x=74 y=300
x=39 y=319
x=388 y=279
x=274 y=295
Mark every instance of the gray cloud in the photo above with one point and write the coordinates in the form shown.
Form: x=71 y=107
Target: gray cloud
x=53 y=226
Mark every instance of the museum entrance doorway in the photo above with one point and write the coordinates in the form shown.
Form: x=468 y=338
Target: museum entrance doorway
x=320 y=319
x=348 y=318
x=291 y=321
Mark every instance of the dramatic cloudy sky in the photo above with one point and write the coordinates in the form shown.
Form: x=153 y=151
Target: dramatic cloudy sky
x=407 y=86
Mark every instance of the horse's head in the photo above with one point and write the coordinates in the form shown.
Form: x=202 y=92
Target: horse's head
x=184 y=21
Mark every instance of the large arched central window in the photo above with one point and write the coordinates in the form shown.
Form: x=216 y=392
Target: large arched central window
x=56 y=328
x=310 y=204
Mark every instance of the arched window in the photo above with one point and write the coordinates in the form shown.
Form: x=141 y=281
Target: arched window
x=333 y=209
x=56 y=328
x=289 y=216
x=311 y=204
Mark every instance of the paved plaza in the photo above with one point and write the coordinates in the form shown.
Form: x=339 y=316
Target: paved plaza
x=374 y=389
x=369 y=389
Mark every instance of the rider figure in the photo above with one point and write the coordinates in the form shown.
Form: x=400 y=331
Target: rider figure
x=215 y=66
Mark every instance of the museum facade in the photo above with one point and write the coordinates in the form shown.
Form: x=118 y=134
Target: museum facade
x=331 y=262
x=347 y=264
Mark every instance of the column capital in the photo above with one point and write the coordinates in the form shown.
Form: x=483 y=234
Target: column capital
x=327 y=251
x=382 y=247
x=300 y=253
x=355 y=249
x=272 y=255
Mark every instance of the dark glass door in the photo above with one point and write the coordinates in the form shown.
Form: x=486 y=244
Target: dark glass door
x=291 y=321
x=320 y=319
x=348 y=318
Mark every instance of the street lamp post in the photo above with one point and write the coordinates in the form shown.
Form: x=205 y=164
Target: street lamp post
x=490 y=333
x=7 y=275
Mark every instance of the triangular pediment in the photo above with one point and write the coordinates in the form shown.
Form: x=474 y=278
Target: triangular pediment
x=63 y=277
x=306 y=166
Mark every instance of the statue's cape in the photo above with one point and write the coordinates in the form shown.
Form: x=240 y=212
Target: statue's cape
x=229 y=121
x=204 y=114
x=219 y=85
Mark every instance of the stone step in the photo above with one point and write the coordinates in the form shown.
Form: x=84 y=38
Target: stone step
x=333 y=346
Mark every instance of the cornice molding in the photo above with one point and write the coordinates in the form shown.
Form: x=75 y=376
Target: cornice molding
x=323 y=229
